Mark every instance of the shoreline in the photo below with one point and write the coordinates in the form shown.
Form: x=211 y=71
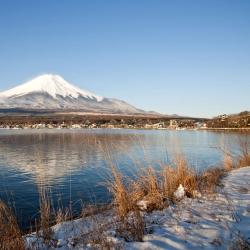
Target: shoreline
x=135 y=128
x=192 y=223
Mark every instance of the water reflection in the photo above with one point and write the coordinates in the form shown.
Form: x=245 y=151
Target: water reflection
x=74 y=163
x=52 y=155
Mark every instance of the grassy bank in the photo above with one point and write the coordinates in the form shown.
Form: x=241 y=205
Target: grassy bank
x=151 y=190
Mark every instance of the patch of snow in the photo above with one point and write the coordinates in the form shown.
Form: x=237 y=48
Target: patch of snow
x=142 y=204
x=196 y=194
x=179 y=193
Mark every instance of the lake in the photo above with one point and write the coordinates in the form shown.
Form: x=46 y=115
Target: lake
x=75 y=164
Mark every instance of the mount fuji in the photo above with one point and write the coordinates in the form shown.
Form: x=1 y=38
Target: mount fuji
x=53 y=93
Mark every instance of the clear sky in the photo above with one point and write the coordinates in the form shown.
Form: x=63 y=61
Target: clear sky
x=183 y=57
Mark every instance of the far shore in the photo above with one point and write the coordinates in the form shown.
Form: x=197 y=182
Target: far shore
x=36 y=127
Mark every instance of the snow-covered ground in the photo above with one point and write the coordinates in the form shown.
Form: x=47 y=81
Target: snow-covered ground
x=211 y=222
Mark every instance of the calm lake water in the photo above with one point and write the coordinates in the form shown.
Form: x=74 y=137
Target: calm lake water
x=75 y=163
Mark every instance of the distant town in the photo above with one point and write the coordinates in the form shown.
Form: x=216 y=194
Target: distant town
x=66 y=121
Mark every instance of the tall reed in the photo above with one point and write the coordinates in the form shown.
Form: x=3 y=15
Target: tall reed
x=45 y=212
x=10 y=233
x=244 y=158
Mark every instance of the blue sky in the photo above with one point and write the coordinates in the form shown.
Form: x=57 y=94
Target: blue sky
x=184 y=57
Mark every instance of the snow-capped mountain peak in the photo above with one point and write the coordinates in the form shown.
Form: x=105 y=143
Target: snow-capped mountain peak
x=51 y=92
x=53 y=85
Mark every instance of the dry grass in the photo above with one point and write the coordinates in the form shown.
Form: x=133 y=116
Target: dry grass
x=132 y=228
x=97 y=237
x=45 y=213
x=157 y=188
x=228 y=162
x=62 y=215
x=244 y=158
x=244 y=161
x=131 y=225
x=91 y=210
x=182 y=174
x=210 y=179
x=239 y=242
x=10 y=233
x=147 y=187
x=122 y=198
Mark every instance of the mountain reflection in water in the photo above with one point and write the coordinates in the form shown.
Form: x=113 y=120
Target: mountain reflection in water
x=75 y=163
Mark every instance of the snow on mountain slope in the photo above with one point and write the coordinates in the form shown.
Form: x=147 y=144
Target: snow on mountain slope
x=52 y=92
x=51 y=84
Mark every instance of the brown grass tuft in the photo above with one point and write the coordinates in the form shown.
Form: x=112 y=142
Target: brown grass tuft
x=131 y=225
x=122 y=199
x=228 y=162
x=148 y=188
x=132 y=228
x=10 y=233
x=97 y=238
x=62 y=215
x=244 y=158
x=155 y=188
x=45 y=213
x=210 y=179
x=244 y=161
x=180 y=174
x=239 y=242
x=91 y=210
